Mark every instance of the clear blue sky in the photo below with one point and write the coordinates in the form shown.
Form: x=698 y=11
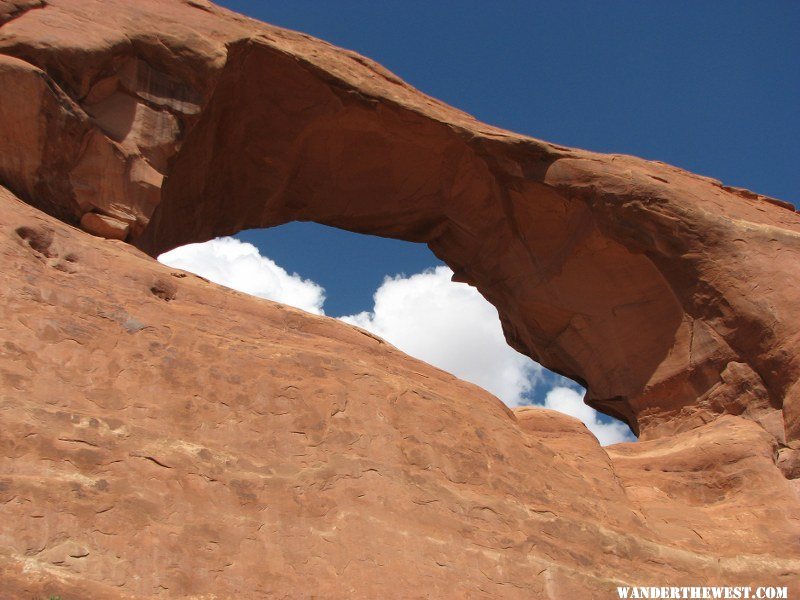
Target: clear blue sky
x=713 y=87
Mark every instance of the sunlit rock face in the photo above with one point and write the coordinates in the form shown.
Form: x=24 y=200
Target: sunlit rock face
x=163 y=436
x=632 y=277
x=166 y=437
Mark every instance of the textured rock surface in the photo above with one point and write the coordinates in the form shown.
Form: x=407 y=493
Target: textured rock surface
x=105 y=226
x=165 y=437
x=652 y=286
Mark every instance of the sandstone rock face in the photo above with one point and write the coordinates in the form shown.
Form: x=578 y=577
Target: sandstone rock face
x=105 y=226
x=166 y=437
x=96 y=111
x=634 y=278
x=162 y=436
x=650 y=285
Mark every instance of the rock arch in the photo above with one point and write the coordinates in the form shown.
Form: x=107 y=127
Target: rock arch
x=623 y=274
x=152 y=415
x=652 y=286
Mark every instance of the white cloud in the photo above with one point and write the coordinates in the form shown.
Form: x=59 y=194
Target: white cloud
x=451 y=326
x=239 y=265
x=568 y=401
x=428 y=316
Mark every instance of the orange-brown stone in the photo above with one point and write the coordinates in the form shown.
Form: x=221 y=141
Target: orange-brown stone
x=164 y=437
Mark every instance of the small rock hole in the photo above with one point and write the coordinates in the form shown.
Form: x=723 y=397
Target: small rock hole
x=164 y=289
x=40 y=240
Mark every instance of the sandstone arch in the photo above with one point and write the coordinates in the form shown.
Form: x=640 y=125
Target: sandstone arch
x=648 y=284
x=168 y=437
x=600 y=266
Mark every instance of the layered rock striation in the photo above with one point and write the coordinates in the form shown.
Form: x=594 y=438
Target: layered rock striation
x=163 y=436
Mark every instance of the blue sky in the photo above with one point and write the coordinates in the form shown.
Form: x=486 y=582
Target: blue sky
x=711 y=87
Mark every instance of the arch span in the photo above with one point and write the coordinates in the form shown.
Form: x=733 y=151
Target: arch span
x=631 y=277
x=654 y=287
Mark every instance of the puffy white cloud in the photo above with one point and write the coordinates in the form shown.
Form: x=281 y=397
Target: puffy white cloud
x=451 y=326
x=428 y=316
x=568 y=401
x=239 y=265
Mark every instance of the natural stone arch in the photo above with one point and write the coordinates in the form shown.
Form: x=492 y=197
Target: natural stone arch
x=626 y=275
x=652 y=286
x=419 y=466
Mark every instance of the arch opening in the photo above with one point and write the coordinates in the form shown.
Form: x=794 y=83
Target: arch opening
x=399 y=291
x=602 y=268
x=570 y=294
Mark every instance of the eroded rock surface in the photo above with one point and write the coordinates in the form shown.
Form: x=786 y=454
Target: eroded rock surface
x=162 y=436
x=652 y=286
x=166 y=437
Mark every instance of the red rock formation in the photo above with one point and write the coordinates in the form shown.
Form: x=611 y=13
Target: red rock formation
x=165 y=437
x=633 y=277
x=250 y=458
